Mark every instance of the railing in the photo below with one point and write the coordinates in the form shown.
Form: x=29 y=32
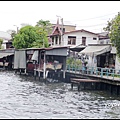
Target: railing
x=95 y=71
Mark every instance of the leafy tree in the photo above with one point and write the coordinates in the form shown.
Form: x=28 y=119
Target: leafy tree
x=1 y=41
x=13 y=33
x=46 y=25
x=113 y=27
x=30 y=36
x=43 y=40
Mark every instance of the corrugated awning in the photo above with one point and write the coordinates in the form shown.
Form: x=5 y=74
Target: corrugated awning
x=96 y=49
x=5 y=54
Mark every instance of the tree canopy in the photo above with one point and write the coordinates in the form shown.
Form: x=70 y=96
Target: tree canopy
x=46 y=25
x=29 y=37
x=113 y=27
x=13 y=33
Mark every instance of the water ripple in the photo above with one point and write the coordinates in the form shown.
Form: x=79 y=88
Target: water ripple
x=24 y=97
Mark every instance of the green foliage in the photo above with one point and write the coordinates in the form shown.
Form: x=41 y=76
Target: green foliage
x=43 y=40
x=73 y=61
x=1 y=41
x=114 y=32
x=13 y=33
x=46 y=25
x=29 y=37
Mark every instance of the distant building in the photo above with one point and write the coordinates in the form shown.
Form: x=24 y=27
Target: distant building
x=72 y=37
x=6 y=39
x=104 y=38
x=67 y=26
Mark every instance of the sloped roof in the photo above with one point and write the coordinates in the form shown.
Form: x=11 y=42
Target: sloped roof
x=82 y=30
x=96 y=49
x=57 y=26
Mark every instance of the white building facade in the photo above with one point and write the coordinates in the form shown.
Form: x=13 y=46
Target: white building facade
x=79 y=37
x=6 y=37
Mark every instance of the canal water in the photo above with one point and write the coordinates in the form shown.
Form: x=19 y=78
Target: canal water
x=24 y=97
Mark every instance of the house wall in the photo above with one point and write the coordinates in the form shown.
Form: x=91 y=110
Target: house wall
x=5 y=36
x=67 y=27
x=4 y=44
x=79 y=35
x=104 y=41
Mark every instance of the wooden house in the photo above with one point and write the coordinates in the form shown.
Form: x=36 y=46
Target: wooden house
x=38 y=60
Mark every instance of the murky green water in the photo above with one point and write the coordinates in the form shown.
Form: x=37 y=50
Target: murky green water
x=23 y=97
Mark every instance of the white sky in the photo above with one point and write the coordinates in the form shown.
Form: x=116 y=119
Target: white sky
x=88 y=15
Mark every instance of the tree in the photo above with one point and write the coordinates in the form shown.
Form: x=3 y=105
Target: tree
x=113 y=27
x=12 y=33
x=29 y=37
x=46 y=25
x=1 y=41
x=43 y=40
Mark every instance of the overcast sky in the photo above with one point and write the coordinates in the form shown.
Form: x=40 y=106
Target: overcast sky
x=88 y=15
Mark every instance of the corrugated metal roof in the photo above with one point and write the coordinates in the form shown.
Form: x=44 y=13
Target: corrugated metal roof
x=96 y=49
x=5 y=54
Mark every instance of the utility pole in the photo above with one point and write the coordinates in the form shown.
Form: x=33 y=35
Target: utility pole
x=17 y=28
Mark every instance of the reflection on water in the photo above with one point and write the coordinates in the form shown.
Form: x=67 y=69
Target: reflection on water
x=23 y=97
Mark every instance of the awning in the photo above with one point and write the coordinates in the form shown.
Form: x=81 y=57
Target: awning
x=77 y=48
x=5 y=54
x=96 y=49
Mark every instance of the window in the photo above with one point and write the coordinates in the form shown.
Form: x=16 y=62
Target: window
x=71 y=40
x=101 y=42
x=56 y=40
x=84 y=41
x=63 y=29
x=107 y=42
x=52 y=40
x=59 y=40
x=94 y=38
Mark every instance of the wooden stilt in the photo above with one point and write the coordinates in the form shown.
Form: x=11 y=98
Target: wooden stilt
x=91 y=86
x=95 y=86
x=35 y=74
x=111 y=89
x=39 y=74
x=78 y=86
x=101 y=86
x=20 y=71
x=71 y=86
x=106 y=85
x=117 y=91
x=84 y=86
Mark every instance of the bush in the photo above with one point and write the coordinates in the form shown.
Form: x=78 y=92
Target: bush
x=73 y=62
